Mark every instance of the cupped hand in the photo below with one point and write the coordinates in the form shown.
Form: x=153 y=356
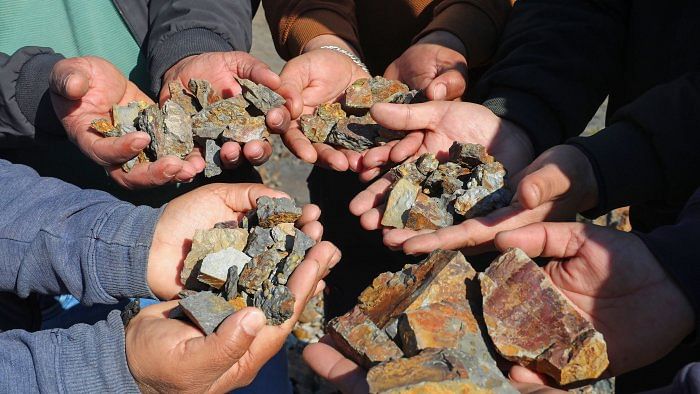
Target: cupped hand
x=616 y=283
x=84 y=89
x=435 y=64
x=221 y=70
x=434 y=126
x=166 y=355
x=201 y=209
x=559 y=184
x=316 y=77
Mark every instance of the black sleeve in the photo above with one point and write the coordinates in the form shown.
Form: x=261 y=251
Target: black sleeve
x=25 y=104
x=181 y=28
x=675 y=247
x=650 y=150
x=556 y=63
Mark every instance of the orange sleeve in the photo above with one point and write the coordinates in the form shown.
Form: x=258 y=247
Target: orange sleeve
x=294 y=22
x=477 y=23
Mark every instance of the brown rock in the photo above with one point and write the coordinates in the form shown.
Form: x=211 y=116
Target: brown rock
x=359 y=339
x=259 y=270
x=238 y=303
x=273 y=211
x=211 y=122
x=203 y=91
x=206 y=242
x=246 y=128
x=428 y=213
x=441 y=325
x=319 y=126
x=359 y=94
x=533 y=324
x=181 y=96
x=388 y=90
x=105 y=127
x=469 y=155
x=401 y=199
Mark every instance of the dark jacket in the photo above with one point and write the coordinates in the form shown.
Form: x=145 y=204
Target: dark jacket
x=166 y=30
x=558 y=60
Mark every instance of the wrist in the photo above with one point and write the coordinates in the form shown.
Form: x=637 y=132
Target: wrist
x=446 y=39
x=329 y=40
x=513 y=145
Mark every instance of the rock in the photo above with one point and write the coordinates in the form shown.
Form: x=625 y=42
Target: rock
x=206 y=310
x=283 y=235
x=140 y=158
x=105 y=127
x=365 y=92
x=491 y=176
x=409 y=171
x=401 y=199
x=203 y=91
x=427 y=163
x=439 y=325
x=212 y=159
x=354 y=133
x=279 y=306
x=469 y=155
x=262 y=97
x=446 y=179
x=359 y=94
x=181 y=96
x=170 y=130
x=272 y=211
x=230 y=289
x=437 y=371
x=319 y=126
x=287 y=267
x=478 y=201
x=126 y=117
x=359 y=339
x=231 y=224
x=206 y=242
x=428 y=213
x=215 y=266
x=238 y=303
x=533 y=324
x=259 y=270
x=246 y=128
x=302 y=242
x=604 y=386
x=390 y=294
x=211 y=122
x=259 y=241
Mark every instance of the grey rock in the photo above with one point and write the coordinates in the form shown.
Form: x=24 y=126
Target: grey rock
x=230 y=290
x=170 y=130
x=204 y=243
x=287 y=267
x=126 y=117
x=401 y=199
x=211 y=122
x=261 y=97
x=427 y=163
x=203 y=92
x=469 y=155
x=259 y=270
x=246 y=128
x=478 y=201
x=408 y=171
x=354 y=133
x=215 y=266
x=283 y=235
x=278 y=306
x=212 y=159
x=181 y=96
x=302 y=242
x=259 y=241
x=272 y=211
x=206 y=310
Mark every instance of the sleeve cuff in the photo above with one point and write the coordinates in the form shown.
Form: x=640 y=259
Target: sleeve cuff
x=314 y=23
x=626 y=167
x=472 y=26
x=528 y=112
x=121 y=246
x=93 y=358
x=179 y=46
x=32 y=93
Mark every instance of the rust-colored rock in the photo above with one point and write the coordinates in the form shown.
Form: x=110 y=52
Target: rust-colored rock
x=318 y=126
x=533 y=324
x=469 y=155
x=428 y=213
x=359 y=339
x=441 y=325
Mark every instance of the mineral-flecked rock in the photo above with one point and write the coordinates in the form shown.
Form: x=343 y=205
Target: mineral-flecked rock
x=206 y=310
x=259 y=270
x=469 y=155
x=278 y=306
x=359 y=94
x=211 y=122
x=533 y=324
x=126 y=117
x=262 y=97
x=181 y=96
x=246 y=128
x=203 y=91
x=356 y=133
x=478 y=201
x=359 y=339
x=212 y=159
x=409 y=171
x=428 y=213
x=105 y=127
x=401 y=199
x=318 y=126
x=288 y=266
x=272 y=211
x=260 y=240
x=302 y=242
x=283 y=235
x=170 y=130
x=365 y=92
x=215 y=266
x=205 y=242
x=230 y=289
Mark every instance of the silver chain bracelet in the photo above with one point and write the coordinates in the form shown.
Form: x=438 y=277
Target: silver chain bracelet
x=349 y=54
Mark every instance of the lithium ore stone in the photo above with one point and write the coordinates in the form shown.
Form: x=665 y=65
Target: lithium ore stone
x=469 y=155
x=245 y=129
x=533 y=324
x=428 y=213
x=319 y=126
x=203 y=91
x=272 y=211
x=401 y=199
x=262 y=97
x=170 y=130
x=211 y=122
x=215 y=266
x=206 y=310
x=179 y=95
x=230 y=290
x=259 y=270
x=259 y=241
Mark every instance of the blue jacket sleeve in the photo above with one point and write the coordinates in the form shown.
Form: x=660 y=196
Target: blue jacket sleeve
x=56 y=238
x=81 y=359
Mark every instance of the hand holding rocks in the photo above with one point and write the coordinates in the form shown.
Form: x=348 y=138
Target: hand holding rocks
x=435 y=64
x=222 y=69
x=86 y=88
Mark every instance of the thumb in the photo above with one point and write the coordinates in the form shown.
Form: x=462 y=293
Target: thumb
x=447 y=86
x=540 y=186
x=409 y=116
x=243 y=197
x=70 y=78
x=222 y=349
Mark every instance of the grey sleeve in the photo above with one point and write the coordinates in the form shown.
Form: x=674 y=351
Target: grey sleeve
x=81 y=359
x=56 y=238
x=181 y=28
x=25 y=106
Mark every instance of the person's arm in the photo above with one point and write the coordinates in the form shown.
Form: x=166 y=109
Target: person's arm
x=477 y=23
x=649 y=152
x=56 y=238
x=555 y=64
x=82 y=358
x=181 y=28
x=25 y=105
x=294 y=23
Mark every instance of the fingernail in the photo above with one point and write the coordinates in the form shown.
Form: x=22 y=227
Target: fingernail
x=275 y=118
x=536 y=193
x=231 y=157
x=257 y=154
x=440 y=92
x=253 y=322
x=170 y=171
x=138 y=144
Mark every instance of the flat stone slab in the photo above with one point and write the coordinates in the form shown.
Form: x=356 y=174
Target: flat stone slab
x=207 y=310
x=206 y=242
x=214 y=270
x=401 y=199
x=273 y=211
x=260 y=96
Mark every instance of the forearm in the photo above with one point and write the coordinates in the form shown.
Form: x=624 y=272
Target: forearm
x=57 y=238
x=25 y=106
x=294 y=24
x=82 y=358
x=183 y=28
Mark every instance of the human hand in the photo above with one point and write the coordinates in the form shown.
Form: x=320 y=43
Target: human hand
x=167 y=355
x=435 y=64
x=201 y=209
x=220 y=69
x=84 y=89
x=327 y=362
x=316 y=77
x=559 y=184
x=616 y=283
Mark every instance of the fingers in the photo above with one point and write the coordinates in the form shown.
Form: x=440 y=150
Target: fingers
x=354 y=159
x=70 y=78
x=369 y=198
x=449 y=85
x=327 y=362
x=407 y=147
x=523 y=375
x=113 y=151
x=308 y=222
x=291 y=92
x=299 y=145
x=147 y=175
x=410 y=116
x=231 y=155
x=278 y=120
x=332 y=158
x=326 y=255
x=242 y=197
x=295 y=78
x=558 y=240
x=545 y=184
x=246 y=66
x=257 y=152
